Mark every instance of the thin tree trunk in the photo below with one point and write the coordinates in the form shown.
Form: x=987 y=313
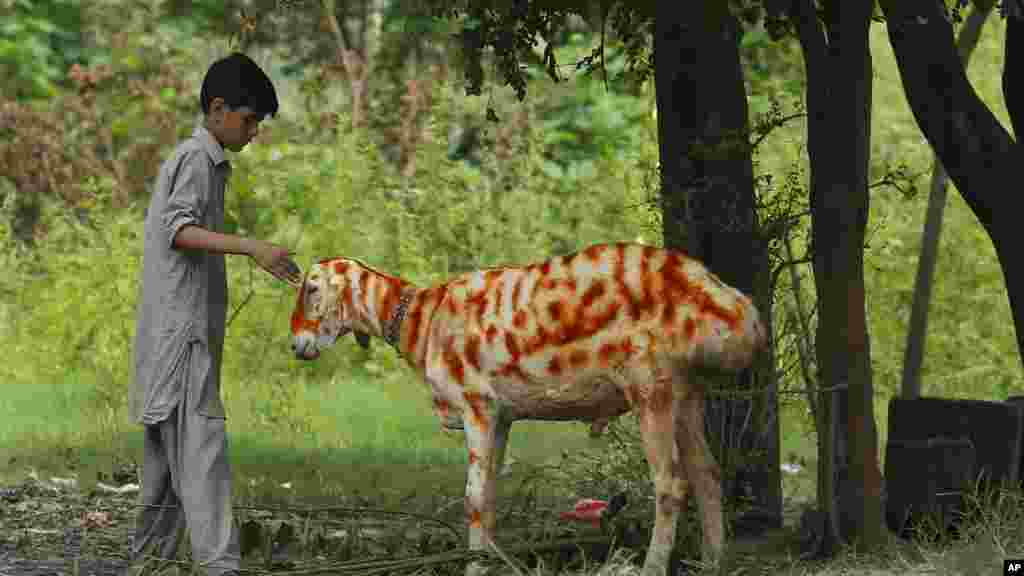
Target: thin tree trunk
x=913 y=356
x=355 y=63
x=812 y=41
x=839 y=106
x=707 y=182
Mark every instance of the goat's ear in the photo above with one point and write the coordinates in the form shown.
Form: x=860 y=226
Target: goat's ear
x=363 y=339
x=300 y=273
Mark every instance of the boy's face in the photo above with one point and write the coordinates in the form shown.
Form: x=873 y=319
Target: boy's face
x=233 y=128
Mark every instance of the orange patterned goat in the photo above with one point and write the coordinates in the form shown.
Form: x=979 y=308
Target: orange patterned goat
x=588 y=336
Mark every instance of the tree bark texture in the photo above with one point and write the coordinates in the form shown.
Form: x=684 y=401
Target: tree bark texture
x=707 y=189
x=838 y=70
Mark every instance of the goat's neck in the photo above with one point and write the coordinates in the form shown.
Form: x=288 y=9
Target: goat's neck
x=373 y=298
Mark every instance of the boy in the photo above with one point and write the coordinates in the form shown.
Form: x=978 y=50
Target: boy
x=179 y=336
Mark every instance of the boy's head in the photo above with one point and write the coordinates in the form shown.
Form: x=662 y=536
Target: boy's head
x=235 y=97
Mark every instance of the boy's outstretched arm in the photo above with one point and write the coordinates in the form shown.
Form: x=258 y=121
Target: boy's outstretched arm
x=270 y=257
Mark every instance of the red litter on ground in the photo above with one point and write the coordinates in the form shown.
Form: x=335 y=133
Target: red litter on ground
x=592 y=510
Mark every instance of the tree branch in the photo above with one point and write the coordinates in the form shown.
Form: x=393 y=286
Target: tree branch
x=776 y=124
x=787 y=265
x=900 y=180
x=977 y=152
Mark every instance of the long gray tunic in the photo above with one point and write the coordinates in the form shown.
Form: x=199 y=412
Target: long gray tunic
x=183 y=295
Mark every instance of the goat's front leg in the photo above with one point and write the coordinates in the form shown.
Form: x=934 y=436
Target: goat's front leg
x=486 y=433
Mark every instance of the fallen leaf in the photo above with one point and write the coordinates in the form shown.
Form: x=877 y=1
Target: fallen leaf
x=96 y=520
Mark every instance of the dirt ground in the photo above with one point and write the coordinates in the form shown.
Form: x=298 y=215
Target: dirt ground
x=52 y=527
x=45 y=530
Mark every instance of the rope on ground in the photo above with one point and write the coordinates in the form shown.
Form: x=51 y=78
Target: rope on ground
x=332 y=509
x=373 y=567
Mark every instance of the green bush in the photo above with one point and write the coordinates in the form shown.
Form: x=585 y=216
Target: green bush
x=72 y=302
x=75 y=292
x=39 y=40
x=345 y=199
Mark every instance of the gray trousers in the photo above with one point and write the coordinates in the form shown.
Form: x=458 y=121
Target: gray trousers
x=186 y=481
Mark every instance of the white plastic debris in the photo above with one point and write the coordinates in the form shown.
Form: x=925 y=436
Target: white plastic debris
x=125 y=489
x=790 y=468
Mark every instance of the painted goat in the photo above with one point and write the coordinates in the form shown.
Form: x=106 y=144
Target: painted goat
x=588 y=336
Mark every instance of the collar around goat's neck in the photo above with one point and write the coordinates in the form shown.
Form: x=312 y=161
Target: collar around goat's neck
x=393 y=326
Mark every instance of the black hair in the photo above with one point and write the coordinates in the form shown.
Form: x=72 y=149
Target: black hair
x=240 y=82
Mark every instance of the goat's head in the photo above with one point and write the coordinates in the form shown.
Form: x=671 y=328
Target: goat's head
x=323 y=311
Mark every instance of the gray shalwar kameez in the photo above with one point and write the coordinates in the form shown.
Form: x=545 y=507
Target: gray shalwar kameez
x=179 y=341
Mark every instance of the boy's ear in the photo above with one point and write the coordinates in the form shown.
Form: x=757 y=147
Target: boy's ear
x=216 y=107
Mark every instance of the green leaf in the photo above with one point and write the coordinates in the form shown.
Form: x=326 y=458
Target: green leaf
x=11 y=28
x=40 y=25
x=131 y=61
x=121 y=126
x=230 y=222
x=754 y=37
x=552 y=170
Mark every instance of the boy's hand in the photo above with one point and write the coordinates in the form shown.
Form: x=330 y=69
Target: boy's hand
x=275 y=260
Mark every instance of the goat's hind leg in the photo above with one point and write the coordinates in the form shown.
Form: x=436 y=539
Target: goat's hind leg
x=701 y=469
x=657 y=428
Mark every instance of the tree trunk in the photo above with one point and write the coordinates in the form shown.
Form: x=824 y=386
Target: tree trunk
x=708 y=188
x=913 y=356
x=838 y=70
x=979 y=155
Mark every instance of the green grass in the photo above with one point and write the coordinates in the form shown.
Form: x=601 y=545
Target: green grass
x=41 y=410
x=379 y=434
x=364 y=434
